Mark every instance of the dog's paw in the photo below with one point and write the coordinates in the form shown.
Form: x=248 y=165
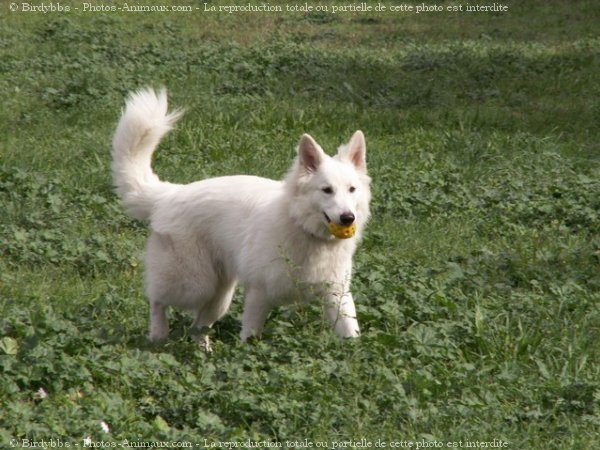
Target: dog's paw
x=205 y=343
x=201 y=336
x=158 y=336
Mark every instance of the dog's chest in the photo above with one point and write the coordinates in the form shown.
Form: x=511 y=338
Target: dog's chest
x=318 y=264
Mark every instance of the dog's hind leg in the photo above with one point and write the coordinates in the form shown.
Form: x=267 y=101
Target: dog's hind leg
x=212 y=311
x=159 y=324
x=178 y=275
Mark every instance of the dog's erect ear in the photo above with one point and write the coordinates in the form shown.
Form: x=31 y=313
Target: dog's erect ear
x=310 y=153
x=355 y=151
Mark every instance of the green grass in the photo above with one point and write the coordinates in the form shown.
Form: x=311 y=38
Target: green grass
x=477 y=283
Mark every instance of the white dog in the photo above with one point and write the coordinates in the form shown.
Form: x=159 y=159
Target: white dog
x=274 y=237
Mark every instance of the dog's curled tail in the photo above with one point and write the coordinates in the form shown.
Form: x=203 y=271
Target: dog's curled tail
x=143 y=123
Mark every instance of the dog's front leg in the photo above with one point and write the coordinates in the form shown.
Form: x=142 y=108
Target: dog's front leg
x=256 y=310
x=341 y=312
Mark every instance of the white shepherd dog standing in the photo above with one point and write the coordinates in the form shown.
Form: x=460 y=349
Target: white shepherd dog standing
x=276 y=238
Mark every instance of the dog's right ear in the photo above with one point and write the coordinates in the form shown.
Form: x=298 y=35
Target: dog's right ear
x=310 y=153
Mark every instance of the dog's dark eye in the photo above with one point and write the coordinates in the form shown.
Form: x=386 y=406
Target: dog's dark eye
x=352 y=189
x=328 y=190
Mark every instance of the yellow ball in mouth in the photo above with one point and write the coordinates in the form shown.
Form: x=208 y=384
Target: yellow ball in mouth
x=342 y=231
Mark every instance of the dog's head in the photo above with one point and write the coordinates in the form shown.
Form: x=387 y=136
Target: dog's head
x=330 y=190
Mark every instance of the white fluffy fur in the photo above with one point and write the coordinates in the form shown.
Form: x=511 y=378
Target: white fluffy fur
x=270 y=236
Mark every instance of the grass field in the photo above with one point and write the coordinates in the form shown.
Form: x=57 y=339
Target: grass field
x=478 y=281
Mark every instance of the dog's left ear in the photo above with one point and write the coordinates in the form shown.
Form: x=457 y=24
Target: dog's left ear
x=355 y=151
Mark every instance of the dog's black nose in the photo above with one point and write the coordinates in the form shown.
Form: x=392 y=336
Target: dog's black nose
x=347 y=218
